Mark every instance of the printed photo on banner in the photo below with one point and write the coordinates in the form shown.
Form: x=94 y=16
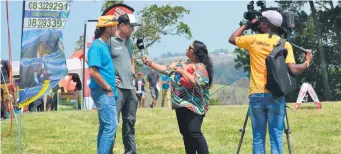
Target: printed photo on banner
x=42 y=52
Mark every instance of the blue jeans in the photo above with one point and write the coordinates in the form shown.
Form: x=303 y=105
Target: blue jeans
x=106 y=108
x=266 y=110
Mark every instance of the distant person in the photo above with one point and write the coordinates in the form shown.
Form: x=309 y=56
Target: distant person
x=78 y=89
x=165 y=80
x=265 y=109
x=55 y=94
x=191 y=81
x=153 y=79
x=5 y=99
x=102 y=83
x=140 y=88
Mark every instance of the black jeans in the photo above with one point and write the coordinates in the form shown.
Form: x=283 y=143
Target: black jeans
x=190 y=128
x=127 y=105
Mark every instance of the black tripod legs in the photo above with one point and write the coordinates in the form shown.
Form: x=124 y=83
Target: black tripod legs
x=242 y=130
x=287 y=130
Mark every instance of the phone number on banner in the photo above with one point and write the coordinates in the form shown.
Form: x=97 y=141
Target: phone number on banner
x=44 y=23
x=47 y=5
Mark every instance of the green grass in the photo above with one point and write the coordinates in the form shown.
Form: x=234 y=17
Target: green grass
x=157 y=131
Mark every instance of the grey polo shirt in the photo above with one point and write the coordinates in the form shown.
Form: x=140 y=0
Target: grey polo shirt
x=121 y=54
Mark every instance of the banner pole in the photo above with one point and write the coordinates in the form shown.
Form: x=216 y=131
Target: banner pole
x=21 y=111
x=84 y=82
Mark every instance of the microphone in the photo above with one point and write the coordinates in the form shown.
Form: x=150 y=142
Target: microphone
x=140 y=46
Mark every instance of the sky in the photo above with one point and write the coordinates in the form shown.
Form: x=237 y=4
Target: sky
x=211 y=22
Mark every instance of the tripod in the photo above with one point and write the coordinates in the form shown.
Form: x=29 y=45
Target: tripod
x=286 y=130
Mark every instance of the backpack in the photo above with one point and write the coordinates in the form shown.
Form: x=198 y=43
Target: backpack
x=280 y=80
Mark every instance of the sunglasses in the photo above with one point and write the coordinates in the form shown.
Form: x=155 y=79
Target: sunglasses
x=189 y=48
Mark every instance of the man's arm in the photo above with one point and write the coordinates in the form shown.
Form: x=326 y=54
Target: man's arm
x=98 y=78
x=299 y=68
x=240 y=31
x=290 y=60
x=236 y=34
x=133 y=64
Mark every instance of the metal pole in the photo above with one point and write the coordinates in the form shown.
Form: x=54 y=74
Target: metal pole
x=287 y=130
x=22 y=111
x=84 y=56
x=242 y=130
x=19 y=130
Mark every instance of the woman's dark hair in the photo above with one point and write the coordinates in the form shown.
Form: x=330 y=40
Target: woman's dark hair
x=99 y=32
x=201 y=56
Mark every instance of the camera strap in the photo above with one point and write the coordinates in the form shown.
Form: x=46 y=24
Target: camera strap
x=270 y=34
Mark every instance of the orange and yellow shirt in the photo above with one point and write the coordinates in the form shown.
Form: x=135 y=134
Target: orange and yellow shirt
x=259 y=47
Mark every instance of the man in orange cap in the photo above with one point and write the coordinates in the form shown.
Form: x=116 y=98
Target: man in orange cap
x=102 y=83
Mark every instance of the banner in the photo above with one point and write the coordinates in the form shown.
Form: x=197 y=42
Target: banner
x=89 y=36
x=42 y=62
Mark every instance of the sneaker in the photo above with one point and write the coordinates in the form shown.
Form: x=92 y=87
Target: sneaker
x=151 y=105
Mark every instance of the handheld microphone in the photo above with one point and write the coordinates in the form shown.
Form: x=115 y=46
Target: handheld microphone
x=140 y=46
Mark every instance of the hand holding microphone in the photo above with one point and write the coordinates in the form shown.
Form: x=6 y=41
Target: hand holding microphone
x=146 y=61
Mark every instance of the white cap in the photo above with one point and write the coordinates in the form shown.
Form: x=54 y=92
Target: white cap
x=274 y=17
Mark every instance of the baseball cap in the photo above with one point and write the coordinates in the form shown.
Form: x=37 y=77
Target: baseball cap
x=274 y=17
x=106 y=21
x=128 y=19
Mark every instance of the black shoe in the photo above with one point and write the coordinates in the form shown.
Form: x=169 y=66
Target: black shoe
x=151 y=105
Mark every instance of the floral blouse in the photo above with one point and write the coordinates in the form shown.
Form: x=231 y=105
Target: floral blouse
x=184 y=94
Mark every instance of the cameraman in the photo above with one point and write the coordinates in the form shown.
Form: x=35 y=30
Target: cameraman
x=264 y=108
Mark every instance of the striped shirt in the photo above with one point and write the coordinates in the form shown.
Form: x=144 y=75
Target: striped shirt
x=184 y=94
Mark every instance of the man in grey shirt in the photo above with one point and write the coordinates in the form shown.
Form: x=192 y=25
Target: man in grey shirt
x=153 y=78
x=123 y=58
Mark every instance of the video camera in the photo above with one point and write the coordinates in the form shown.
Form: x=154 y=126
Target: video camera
x=288 y=16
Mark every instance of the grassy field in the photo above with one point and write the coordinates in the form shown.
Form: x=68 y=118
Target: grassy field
x=157 y=131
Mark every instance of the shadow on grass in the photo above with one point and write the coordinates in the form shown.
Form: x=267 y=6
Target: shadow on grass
x=307 y=108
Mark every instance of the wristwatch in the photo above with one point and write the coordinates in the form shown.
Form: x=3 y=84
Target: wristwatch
x=108 y=90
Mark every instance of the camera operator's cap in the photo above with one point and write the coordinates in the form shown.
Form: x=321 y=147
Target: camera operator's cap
x=274 y=17
x=128 y=19
x=106 y=21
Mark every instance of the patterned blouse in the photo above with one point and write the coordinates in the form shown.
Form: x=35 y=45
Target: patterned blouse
x=184 y=94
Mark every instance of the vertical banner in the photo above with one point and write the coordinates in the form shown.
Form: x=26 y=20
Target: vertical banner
x=42 y=62
x=89 y=36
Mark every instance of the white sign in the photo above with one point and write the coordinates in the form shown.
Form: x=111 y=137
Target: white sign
x=89 y=35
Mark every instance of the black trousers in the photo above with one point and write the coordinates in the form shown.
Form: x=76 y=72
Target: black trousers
x=127 y=105
x=190 y=128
